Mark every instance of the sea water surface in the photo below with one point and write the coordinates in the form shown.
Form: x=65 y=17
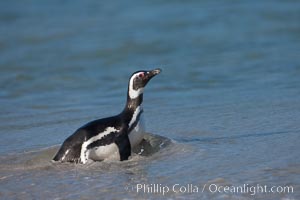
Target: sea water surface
x=224 y=112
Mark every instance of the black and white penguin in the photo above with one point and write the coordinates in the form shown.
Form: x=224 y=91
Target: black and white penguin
x=110 y=138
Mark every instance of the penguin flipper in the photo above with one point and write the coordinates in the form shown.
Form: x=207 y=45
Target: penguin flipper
x=124 y=146
x=68 y=154
x=71 y=148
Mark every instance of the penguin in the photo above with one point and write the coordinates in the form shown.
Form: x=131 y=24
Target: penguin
x=110 y=138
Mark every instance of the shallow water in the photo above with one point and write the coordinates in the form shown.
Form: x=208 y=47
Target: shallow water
x=228 y=97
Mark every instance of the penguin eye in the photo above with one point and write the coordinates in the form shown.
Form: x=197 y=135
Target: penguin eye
x=141 y=75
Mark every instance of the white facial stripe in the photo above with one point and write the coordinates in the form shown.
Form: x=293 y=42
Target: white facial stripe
x=83 y=156
x=132 y=92
x=135 y=114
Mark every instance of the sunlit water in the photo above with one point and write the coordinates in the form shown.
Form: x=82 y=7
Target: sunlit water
x=227 y=103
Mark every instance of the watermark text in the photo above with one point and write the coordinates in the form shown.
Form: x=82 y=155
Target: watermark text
x=163 y=189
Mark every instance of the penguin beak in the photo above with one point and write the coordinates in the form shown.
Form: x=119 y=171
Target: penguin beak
x=153 y=73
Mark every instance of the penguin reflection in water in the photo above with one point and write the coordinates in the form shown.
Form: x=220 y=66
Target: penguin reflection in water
x=110 y=138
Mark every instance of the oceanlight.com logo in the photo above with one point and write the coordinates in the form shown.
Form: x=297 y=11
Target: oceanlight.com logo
x=164 y=189
x=248 y=189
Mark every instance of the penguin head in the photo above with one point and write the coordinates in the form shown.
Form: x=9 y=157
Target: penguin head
x=139 y=80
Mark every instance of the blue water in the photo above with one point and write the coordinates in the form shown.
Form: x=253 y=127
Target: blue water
x=228 y=97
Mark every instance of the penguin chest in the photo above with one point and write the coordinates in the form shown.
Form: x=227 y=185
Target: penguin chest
x=100 y=147
x=107 y=152
x=137 y=133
